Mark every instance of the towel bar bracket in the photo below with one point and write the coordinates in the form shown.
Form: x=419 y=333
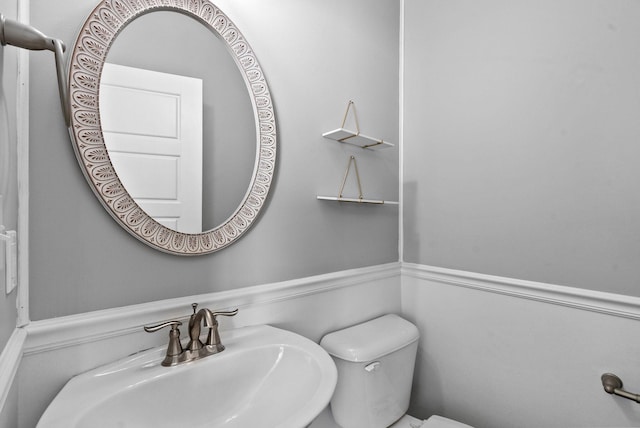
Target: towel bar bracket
x=613 y=385
x=25 y=36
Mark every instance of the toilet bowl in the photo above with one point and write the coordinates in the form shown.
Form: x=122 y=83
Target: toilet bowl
x=375 y=362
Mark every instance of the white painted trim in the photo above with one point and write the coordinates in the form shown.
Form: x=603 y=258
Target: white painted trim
x=93 y=326
x=9 y=363
x=22 y=131
x=588 y=300
x=401 y=136
x=88 y=327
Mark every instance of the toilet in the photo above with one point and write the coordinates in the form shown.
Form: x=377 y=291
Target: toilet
x=375 y=362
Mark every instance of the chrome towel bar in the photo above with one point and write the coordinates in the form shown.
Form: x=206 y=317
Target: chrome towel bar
x=613 y=385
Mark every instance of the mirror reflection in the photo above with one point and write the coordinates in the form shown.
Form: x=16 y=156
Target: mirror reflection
x=177 y=121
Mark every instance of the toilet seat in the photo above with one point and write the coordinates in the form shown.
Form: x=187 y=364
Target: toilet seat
x=434 y=421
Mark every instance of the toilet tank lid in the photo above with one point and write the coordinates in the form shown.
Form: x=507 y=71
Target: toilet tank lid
x=370 y=340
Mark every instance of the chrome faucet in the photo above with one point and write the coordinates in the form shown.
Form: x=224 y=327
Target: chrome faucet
x=195 y=349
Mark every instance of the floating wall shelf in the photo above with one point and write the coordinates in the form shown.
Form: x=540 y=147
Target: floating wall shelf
x=360 y=199
x=356 y=200
x=355 y=138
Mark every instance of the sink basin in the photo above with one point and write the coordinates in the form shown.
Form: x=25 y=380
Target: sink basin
x=266 y=377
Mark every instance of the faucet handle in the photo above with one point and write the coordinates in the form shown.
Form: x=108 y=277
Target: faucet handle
x=225 y=313
x=153 y=328
x=213 y=338
x=174 y=348
x=217 y=313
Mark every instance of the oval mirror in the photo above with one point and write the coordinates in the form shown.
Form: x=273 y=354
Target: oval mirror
x=173 y=128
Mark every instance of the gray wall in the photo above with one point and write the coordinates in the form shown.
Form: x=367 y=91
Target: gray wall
x=316 y=56
x=522 y=122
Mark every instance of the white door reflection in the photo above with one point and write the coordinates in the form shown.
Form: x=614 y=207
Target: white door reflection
x=152 y=126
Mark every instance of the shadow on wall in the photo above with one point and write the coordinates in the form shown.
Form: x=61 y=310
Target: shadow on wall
x=4 y=139
x=411 y=230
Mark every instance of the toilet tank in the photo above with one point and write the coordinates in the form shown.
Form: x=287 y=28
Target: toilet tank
x=375 y=362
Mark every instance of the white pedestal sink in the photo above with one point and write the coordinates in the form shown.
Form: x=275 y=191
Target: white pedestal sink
x=266 y=377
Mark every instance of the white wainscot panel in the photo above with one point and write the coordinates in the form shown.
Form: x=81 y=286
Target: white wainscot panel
x=60 y=348
x=505 y=353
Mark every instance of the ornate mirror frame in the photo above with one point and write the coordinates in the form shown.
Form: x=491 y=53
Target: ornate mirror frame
x=87 y=59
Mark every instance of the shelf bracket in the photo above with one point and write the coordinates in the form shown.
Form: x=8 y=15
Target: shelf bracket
x=351 y=105
x=352 y=160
